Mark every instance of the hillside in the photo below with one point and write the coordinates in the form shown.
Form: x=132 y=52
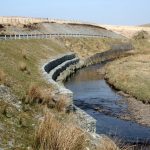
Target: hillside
x=127 y=31
x=145 y=25
x=20 y=69
x=41 y=26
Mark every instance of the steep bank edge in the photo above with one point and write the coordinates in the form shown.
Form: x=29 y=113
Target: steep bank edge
x=65 y=68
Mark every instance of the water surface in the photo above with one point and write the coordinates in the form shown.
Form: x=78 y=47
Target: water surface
x=97 y=98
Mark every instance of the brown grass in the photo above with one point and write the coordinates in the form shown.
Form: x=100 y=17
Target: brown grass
x=52 y=135
x=131 y=74
x=2 y=76
x=62 y=103
x=24 y=54
x=34 y=93
x=22 y=66
x=38 y=94
x=107 y=144
x=46 y=96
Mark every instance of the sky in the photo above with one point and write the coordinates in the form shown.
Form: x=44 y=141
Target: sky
x=116 y=12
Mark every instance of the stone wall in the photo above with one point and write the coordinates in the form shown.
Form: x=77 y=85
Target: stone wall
x=54 y=63
x=117 y=50
x=56 y=73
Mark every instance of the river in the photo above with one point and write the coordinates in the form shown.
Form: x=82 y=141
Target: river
x=97 y=98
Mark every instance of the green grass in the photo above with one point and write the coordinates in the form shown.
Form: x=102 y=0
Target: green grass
x=86 y=47
x=29 y=53
x=20 y=62
x=12 y=55
x=132 y=74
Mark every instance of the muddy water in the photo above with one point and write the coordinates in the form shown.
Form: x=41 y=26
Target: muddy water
x=97 y=98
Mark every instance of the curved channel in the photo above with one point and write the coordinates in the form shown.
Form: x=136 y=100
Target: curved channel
x=97 y=98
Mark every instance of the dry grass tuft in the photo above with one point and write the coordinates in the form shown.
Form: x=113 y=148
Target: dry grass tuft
x=141 y=35
x=52 y=135
x=38 y=94
x=22 y=66
x=62 y=103
x=2 y=76
x=46 y=96
x=107 y=144
x=41 y=95
x=24 y=54
x=34 y=93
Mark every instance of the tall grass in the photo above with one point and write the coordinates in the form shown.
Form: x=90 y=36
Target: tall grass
x=52 y=135
x=62 y=103
x=107 y=144
x=38 y=94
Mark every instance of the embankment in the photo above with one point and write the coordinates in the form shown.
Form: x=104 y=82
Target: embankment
x=118 y=50
x=56 y=71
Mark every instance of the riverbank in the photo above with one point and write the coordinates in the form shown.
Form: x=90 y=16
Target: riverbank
x=131 y=75
x=107 y=106
x=19 y=70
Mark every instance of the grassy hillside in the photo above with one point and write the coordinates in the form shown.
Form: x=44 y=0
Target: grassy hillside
x=132 y=74
x=20 y=62
x=20 y=59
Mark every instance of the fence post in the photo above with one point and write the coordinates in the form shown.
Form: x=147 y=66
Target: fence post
x=15 y=36
x=5 y=37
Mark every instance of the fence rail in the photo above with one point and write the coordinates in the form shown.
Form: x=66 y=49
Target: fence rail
x=46 y=36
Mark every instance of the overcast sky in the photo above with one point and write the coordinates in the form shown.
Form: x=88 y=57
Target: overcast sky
x=117 y=12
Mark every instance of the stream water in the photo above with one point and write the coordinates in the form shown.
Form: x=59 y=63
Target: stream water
x=97 y=98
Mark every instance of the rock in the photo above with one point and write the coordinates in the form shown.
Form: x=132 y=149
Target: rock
x=97 y=109
x=10 y=111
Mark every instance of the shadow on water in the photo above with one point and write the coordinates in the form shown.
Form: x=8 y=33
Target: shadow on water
x=97 y=98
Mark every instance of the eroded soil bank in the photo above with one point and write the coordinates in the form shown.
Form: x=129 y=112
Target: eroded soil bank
x=110 y=108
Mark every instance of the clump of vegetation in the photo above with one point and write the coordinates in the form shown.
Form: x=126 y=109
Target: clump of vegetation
x=24 y=54
x=31 y=26
x=107 y=144
x=34 y=93
x=62 y=103
x=52 y=135
x=2 y=77
x=141 y=35
x=22 y=66
x=40 y=95
x=2 y=26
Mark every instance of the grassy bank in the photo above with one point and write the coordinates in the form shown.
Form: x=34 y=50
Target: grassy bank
x=132 y=74
x=20 y=62
x=20 y=59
